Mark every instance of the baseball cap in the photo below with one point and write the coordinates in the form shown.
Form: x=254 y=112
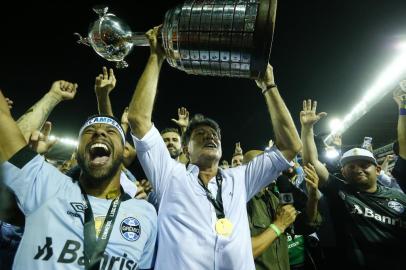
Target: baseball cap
x=357 y=154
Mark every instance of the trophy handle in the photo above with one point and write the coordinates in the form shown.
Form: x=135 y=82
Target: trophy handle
x=101 y=10
x=82 y=40
x=139 y=39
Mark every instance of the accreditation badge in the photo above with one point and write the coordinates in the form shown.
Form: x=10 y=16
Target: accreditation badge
x=224 y=227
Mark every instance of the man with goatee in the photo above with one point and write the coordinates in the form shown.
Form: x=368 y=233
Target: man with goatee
x=88 y=222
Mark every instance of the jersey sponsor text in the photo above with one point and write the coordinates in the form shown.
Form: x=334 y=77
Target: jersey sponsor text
x=70 y=254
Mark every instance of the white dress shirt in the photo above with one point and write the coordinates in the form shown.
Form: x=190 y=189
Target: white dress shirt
x=186 y=235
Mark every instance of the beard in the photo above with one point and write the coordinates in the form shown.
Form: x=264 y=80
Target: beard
x=96 y=177
x=360 y=185
x=173 y=152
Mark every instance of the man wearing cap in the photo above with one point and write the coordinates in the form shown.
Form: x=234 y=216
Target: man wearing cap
x=88 y=222
x=369 y=219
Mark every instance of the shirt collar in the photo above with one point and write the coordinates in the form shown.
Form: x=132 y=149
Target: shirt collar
x=194 y=170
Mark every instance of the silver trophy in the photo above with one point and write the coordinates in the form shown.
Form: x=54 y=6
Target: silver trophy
x=230 y=38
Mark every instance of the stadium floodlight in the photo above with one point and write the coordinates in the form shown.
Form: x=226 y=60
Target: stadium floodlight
x=336 y=125
x=394 y=72
x=331 y=153
x=66 y=141
x=401 y=45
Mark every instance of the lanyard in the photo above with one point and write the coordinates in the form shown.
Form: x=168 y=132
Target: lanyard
x=94 y=248
x=218 y=201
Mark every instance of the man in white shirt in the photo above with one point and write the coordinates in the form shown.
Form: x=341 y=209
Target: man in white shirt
x=202 y=218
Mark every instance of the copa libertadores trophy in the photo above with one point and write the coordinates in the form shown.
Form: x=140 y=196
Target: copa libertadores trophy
x=229 y=38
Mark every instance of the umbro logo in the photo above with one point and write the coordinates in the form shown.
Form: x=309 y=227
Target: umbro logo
x=78 y=209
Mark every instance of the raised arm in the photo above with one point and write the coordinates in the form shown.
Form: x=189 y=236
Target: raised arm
x=308 y=118
x=11 y=138
x=142 y=103
x=35 y=117
x=183 y=119
x=124 y=121
x=286 y=136
x=104 y=84
x=40 y=140
x=312 y=184
x=237 y=149
x=400 y=98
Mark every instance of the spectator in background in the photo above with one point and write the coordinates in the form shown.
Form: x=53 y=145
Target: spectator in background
x=10 y=237
x=183 y=119
x=275 y=224
x=172 y=141
x=368 y=218
x=385 y=177
x=237 y=156
x=399 y=171
x=224 y=164
x=69 y=163
x=182 y=122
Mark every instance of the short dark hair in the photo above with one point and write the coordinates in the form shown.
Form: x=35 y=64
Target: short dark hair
x=197 y=121
x=170 y=129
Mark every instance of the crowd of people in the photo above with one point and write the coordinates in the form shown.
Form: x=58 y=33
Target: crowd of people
x=278 y=208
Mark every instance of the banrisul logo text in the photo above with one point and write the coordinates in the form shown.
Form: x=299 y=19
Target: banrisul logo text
x=72 y=253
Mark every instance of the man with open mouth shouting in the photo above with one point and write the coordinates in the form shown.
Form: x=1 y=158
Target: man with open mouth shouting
x=88 y=222
x=101 y=153
x=203 y=222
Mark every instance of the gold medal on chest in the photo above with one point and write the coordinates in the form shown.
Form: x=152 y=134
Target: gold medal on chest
x=224 y=227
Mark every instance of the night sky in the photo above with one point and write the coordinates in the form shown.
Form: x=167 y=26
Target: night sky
x=326 y=50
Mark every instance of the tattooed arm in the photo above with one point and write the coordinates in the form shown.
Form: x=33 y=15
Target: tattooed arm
x=36 y=116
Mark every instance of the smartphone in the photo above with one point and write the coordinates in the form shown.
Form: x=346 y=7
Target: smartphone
x=286 y=198
x=367 y=144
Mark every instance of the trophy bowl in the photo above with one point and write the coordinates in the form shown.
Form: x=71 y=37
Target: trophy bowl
x=110 y=37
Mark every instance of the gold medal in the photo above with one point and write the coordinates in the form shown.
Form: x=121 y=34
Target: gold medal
x=224 y=227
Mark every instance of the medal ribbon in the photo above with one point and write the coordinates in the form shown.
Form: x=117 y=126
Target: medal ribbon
x=218 y=201
x=94 y=248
